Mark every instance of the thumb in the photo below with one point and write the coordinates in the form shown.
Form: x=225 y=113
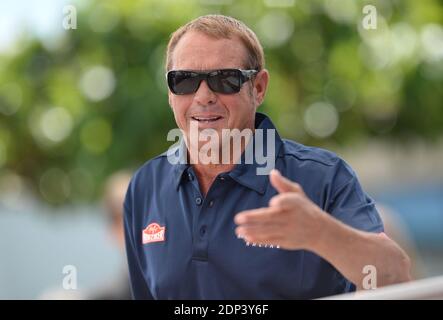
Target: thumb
x=282 y=184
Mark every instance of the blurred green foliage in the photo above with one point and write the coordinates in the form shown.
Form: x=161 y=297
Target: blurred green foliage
x=93 y=100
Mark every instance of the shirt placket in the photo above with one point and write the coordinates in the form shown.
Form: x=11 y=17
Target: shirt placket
x=204 y=219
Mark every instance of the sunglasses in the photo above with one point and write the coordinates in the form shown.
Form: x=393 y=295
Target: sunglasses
x=226 y=81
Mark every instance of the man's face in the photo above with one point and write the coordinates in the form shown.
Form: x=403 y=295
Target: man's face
x=199 y=52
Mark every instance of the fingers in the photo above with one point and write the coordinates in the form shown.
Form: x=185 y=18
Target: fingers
x=285 y=201
x=259 y=230
x=282 y=184
x=265 y=234
x=268 y=215
x=277 y=212
x=267 y=225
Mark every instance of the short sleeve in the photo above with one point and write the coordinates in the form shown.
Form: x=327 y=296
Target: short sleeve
x=350 y=204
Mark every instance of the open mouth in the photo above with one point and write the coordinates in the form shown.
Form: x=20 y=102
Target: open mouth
x=206 y=119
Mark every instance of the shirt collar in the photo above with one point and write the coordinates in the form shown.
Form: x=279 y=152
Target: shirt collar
x=180 y=153
x=243 y=173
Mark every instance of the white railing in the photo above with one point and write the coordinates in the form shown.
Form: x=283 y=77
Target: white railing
x=430 y=288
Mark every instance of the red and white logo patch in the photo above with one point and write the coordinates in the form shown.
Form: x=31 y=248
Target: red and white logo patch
x=153 y=233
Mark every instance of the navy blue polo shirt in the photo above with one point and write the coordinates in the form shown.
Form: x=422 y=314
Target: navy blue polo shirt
x=182 y=245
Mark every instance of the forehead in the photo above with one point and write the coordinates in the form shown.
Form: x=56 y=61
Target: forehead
x=197 y=51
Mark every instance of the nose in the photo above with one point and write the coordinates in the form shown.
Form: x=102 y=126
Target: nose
x=204 y=95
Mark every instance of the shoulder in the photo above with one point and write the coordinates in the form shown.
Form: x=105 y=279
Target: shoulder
x=307 y=153
x=315 y=164
x=157 y=164
x=153 y=173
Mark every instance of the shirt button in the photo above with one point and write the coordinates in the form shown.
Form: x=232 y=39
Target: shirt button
x=202 y=230
x=211 y=203
x=198 y=201
x=190 y=177
x=222 y=178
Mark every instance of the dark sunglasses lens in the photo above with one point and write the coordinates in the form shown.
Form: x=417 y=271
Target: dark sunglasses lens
x=182 y=82
x=225 y=81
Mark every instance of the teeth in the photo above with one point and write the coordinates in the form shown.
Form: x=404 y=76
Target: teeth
x=206 y=119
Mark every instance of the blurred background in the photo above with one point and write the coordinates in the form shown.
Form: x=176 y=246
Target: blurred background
x=78 y=105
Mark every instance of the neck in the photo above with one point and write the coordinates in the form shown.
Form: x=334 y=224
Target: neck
x=206 y=174
x=211 y=171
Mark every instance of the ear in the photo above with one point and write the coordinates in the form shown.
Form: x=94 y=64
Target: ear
x=169 y=98
x=260 y=86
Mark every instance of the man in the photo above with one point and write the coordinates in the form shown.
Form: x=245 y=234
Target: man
x=199 y=230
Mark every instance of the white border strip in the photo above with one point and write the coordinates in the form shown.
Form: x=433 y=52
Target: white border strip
x=430 y=288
